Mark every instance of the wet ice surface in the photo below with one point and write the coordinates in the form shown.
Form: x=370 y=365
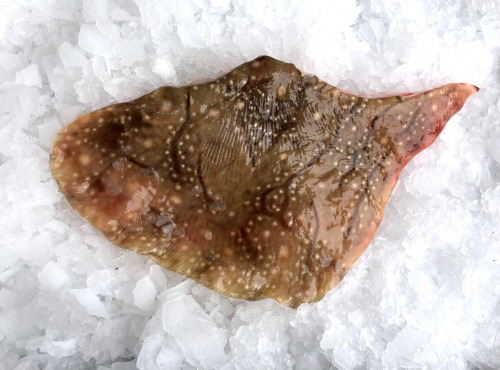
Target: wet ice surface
x=425 y=293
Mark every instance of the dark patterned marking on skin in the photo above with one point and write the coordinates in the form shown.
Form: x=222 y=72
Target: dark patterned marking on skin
x=265 y=183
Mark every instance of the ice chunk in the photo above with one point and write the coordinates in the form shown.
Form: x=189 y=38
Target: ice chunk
x=164 y=68
x=158 y=277
x=491 y=31
x=224 y=4
x=266 y=338
x=491 y=200
x=104 y=282
x=72 y=56
x=10 y=61
x=196 y=333
x=57 y=227
x=408 y=341
x=494 y=148
x=30 y=76
x=378 y=27
x=94 y=10
x=145 y=293
x=130 y=51
x=91 y=302
x=60 y=348
x=160 y=352
x=7 y=298
x=367 y=34
x=93 y=41
x=47 y=132
x=52 y=277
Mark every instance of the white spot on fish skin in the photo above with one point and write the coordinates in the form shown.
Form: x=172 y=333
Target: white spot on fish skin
x=175 y=200
x=167 y=106
x=84 y=159
x=280 y=91
x=148 y=143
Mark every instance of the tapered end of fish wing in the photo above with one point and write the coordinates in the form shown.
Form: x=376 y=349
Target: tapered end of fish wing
x=402 y=127
x=413 y=123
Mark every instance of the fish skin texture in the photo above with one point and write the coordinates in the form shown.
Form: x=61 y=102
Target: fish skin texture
x=264 y=183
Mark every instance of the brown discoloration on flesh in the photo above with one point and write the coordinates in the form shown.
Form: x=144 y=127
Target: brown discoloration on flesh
x=264 y=183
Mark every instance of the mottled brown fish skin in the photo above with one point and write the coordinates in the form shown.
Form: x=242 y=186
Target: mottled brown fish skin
x=265 y=183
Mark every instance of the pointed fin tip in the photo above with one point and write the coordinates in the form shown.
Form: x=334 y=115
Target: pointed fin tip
x=462 y=90
x=473 y=88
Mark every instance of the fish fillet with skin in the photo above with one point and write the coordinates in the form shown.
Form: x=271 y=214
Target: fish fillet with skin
x=264 y=183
